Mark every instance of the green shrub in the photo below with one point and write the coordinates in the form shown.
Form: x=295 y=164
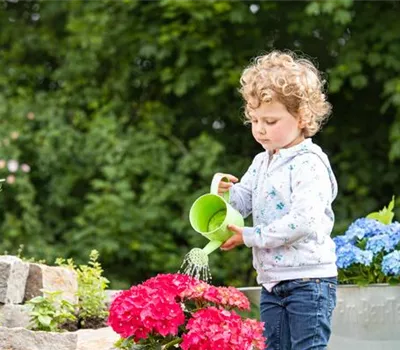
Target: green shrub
x=49 y=312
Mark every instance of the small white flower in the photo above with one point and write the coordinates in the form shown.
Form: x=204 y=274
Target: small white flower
x=25 y=168
x=12 y=165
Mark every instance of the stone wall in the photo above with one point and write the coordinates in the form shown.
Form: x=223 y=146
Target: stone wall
x=21 y=281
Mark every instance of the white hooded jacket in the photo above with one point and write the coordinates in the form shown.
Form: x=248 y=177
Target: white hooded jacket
x=289 y=195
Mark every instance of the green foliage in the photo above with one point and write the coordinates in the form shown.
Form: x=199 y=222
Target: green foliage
x=91 y=287
x=49 y=312
x=385 y=216
x=119 y=113
x=124 y=343
x=338 y=9
x=129 y=344
x=30 y=259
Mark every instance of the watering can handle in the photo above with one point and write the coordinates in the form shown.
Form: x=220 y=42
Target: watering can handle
x=217 y=178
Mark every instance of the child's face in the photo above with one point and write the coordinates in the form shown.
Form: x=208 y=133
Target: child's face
x=274 y=127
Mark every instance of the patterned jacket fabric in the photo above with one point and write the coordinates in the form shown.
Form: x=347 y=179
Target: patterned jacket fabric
x=289 y=195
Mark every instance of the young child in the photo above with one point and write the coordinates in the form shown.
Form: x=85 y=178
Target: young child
x=289 y=189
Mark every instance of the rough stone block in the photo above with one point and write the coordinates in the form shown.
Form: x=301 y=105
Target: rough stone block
x=13 y=275
x=51 y=278
x=99 y=339
x=24 y=339
x=110 y=296
x=14 y=316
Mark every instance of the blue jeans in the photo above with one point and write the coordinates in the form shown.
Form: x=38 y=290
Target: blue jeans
x=297 y=313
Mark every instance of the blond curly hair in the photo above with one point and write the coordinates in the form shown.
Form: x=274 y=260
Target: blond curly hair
x=293 y=81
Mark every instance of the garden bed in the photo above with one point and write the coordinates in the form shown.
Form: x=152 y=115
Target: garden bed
x=23 y=288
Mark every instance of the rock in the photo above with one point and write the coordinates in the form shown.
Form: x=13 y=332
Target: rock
x=110 y=295
x=23 y=339
x=99 y=339
x=84 y=339
x=51 y=278
x=13 y=276
x=14 y=316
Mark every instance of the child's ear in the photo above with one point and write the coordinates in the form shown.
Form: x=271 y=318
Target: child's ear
x=302 y=123
x=302 y=120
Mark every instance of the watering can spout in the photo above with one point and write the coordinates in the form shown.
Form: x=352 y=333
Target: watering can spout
x=211 y=246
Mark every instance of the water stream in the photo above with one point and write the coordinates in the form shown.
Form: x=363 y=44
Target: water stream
x=195 y=264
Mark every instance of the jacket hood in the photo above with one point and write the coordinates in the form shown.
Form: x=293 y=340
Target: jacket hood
x=307 y=146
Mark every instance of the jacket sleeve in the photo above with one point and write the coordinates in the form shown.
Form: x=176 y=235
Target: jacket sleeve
x=310 y=199
x=241 y=192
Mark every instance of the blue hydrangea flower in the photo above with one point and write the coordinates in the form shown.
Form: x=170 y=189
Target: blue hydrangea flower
x=380 y=242
x=365 y=228
x=340 y=241
x=349 y=254
x=393 y=230
x=395 y=239
x=391 y=263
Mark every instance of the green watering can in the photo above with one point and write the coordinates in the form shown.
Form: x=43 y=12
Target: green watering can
x=211 y=213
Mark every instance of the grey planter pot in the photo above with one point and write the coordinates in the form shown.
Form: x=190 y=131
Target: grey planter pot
x=366 y=318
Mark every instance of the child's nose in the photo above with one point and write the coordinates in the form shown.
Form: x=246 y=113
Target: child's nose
x=261 y=130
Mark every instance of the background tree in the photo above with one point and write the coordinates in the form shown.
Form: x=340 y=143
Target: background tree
x=115 y=115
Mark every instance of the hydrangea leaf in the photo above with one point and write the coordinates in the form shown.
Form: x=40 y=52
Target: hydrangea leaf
x=385 y=216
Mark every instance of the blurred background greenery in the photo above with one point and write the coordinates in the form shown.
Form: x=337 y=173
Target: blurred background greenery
x=115 y=115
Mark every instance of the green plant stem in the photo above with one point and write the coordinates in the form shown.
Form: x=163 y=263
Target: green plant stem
x=173 y=342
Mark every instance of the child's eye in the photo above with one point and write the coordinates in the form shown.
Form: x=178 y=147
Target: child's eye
x=271 y=123
x=253 y=121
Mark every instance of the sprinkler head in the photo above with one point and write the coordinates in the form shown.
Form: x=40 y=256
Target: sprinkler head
x=198 y=257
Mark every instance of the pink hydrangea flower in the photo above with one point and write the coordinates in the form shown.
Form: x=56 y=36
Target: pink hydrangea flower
x=141 y=310
x=216 y=328
x=225 y=296
x=183 y=310
x=171 y=284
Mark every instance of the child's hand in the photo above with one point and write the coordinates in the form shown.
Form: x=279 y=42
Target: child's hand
x=235 y=240
x=225 y=186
